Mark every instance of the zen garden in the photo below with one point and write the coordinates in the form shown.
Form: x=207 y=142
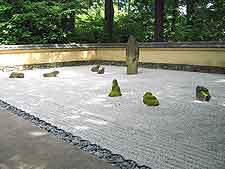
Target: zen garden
x=103 y=84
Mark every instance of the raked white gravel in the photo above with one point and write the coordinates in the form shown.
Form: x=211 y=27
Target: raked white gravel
x=181 y=133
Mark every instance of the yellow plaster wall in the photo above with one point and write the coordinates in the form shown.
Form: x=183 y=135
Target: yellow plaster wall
x=17 y=57
x=111 y=54
x=193 y=56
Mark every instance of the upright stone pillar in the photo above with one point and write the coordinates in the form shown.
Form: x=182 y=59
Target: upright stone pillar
x=132 y=56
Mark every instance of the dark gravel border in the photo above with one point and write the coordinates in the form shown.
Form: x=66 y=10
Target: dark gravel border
x=166 y=66
x=116 y=160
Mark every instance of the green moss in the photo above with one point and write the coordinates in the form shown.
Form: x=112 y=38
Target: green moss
x=148 y=94
x=204 y=93
x=115 y=89
x=150 y=100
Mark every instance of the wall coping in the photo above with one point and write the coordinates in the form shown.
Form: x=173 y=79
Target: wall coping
x=210 y=44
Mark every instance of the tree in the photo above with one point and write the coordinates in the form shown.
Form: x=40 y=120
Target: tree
x=174 y=16
x=159 y=18
x=129 y=4
x=83 y=21
x=109 y=19
x=192 y=7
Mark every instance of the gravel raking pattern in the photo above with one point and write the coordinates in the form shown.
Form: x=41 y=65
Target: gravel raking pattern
x=117 y=161
x=180 y=133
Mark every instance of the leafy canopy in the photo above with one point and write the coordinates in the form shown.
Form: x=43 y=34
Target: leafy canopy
x=64 y=21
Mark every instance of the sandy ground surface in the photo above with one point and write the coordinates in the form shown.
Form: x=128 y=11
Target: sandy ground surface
x=23 y=146
x=181 y=133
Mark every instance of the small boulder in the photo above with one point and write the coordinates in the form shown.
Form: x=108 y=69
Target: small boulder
x=2 y=68
x=95 y=68
x=9 y=69
x=16 y=75
x=101 y=70
x=202 y=94
x=115 y=89
x=51 y=74
x=150 y=100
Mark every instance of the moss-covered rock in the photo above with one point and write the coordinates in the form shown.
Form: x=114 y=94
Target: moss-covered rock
x=16 y=75
x=202 y=94
x=101 y=70
x=95 y=68
x=115 y=89
x=150 y=100
x=51 y=74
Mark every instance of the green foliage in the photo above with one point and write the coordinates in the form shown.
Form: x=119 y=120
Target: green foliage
x=132 y=24
x=89 y=27
x=82 y=21
x=207 y=23
x=35 y=22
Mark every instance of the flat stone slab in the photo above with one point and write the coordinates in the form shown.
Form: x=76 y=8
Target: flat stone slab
x=180 y=133
x=25 y=146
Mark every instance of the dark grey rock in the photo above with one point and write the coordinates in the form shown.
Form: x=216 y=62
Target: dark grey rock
x=128 y=164
x=76 y=140
x=144 y=167
x=51 y=74
x=91 y=148
x=16 y=75
x=60 y=131
x=103 y=154
x=101 y=70
x=99 y=155
x=95 y=68
x=67 y=139
x=202 y=94
x=84 y=143
x=116 y=158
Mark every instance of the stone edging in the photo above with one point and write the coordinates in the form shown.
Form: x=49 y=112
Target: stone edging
x=185 y=67
x=178 y=67
x=116 y=160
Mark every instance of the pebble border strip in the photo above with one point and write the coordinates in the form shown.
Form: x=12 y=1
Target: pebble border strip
x=116 y=160
x=178 y=67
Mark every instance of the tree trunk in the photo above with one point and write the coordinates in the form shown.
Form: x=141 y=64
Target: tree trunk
x=128 y=8
x=109 y=17
x=68 y=22
x=119 y=7
x=159 y=18
x=174 y=13
x=192 y=6
x=192 y=9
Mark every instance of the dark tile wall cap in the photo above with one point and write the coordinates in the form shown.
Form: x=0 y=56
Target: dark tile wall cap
x=210 y=44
